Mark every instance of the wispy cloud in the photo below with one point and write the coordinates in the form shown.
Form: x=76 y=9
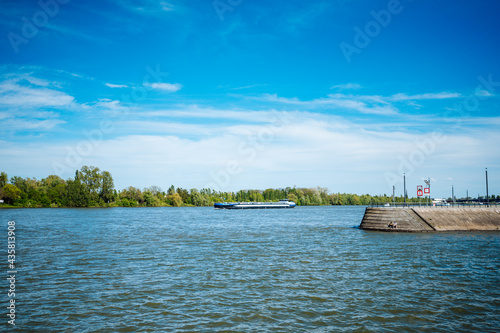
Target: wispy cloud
x=483 y=93
x=276 y=98
x=194 y=151
x=35 y=81
x=203 y=113
x=296 y=19
x=14 y=94
x=248 y=87
x=149 y=7
x=365 y=98
x=166 y=6
x=365 y=104
x=339 y=102
x=347 y=86
x=442 y=95
x=109 y=104
x=168 y=87
x=111 y=85
x=31 y=124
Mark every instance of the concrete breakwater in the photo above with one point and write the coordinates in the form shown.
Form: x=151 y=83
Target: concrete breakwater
x=430 y=219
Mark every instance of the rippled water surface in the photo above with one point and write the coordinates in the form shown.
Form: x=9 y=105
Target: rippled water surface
x=307 y=269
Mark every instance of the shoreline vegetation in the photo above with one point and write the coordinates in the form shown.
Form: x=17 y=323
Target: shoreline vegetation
x=92 y=187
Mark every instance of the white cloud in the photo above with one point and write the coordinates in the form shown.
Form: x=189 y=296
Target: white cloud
x=483 y=93
x=170 y=128
x=275 y=98
x=4 y=115
x=347 y=86
x=146 y=7
x=169 y=87
x=107 y=103
x=195 y=111
x=339 y=102
x=35 y=81
x=31 y=124
x=366 y=98
x=365 y=104
x=442 y=95
x=310 y=150
x=111 y=85
x=166 y=6
x=181 y=144
x=248 y=87
x=15 y=95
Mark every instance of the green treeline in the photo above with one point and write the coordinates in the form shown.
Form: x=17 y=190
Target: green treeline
x=92 y=187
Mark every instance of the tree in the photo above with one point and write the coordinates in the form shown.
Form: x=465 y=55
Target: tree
x=155 y=190
x=242 y=196
x=292 y=197
x=77 y=194
x=174 y=199
x=184 y=194
x=45 y=201
x=107 y=186
x=171 y=190
x=270 y=195
x=52 y=181
x=132 y=194
x=3 y=179
x=20 y=183
x=11 y=193
x=57 y=194
x=148 y=198
x=124 y=202
x=92 y=178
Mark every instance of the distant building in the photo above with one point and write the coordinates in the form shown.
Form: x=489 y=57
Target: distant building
x=438 y=201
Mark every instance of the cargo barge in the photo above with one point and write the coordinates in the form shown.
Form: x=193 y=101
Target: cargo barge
x=283 y=203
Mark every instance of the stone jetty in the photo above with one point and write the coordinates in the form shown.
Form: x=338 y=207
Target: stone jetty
x=432 y=219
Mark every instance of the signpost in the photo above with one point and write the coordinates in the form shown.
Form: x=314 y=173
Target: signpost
x=427 y=190
x=420 y=193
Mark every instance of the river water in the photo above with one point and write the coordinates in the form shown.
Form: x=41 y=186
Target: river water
x=308 y=269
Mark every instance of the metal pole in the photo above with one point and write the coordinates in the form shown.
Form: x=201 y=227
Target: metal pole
x=487 y=196
x=404 y=193
x=393 y=195
x=429 y=191
x=428 y=183
x=452 y=195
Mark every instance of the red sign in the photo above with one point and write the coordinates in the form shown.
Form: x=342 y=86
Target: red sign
x=427 y=190
x=419 y=191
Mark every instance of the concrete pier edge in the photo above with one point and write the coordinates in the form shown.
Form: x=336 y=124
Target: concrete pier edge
x=431 y=219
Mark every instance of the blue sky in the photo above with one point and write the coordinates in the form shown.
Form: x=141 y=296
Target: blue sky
x=239 y=94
